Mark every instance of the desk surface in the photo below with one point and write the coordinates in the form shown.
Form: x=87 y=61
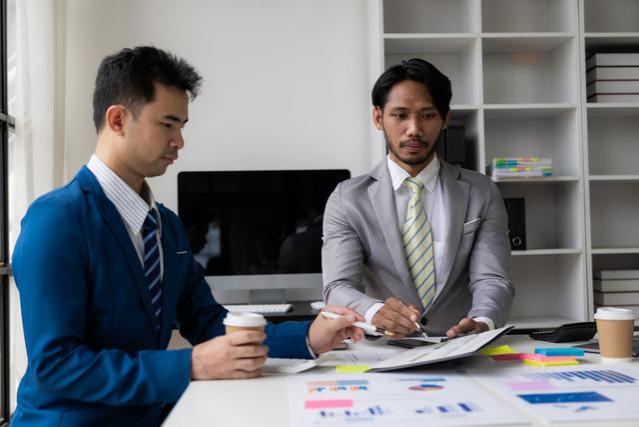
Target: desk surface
x=226 y=402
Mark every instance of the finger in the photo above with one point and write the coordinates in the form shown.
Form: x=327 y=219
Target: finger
x=466 y=325
x=246 y=337
x=396 y=322
x=345 y=311
x=249 y=351
x=249 y=364
x=405 y=310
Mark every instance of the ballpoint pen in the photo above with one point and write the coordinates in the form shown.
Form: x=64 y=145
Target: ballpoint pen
x=365 y=326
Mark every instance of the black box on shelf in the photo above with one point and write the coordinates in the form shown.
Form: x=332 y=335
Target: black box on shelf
x=516 y=208
x=454 y=148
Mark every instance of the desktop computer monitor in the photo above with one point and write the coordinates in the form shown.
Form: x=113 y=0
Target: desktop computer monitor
x=258 y=234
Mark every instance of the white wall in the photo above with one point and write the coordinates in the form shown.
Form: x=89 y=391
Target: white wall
x=286 y=82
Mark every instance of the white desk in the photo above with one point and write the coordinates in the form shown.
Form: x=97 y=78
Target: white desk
x=262 y=402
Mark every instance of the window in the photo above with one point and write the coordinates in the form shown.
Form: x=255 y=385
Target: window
x=7 y=123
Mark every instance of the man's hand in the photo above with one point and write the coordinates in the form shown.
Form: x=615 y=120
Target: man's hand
x=325 y=334
x=237 y=355
x=465 y=326
x=398 y=317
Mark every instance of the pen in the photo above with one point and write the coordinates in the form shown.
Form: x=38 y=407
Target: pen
x=365 y=326
x=417 y=325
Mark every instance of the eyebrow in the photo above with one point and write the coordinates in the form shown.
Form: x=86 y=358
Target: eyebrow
x=173 y=118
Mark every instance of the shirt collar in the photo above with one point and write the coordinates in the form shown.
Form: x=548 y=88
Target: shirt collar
x=129 y=204
x=428 y=175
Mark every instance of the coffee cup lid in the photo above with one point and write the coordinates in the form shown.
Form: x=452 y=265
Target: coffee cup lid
x=246 y=320
x=614 y=313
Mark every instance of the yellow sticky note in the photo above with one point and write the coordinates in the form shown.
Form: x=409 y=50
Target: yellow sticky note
x=351 y=369
x=558 y=363
x=502 y=349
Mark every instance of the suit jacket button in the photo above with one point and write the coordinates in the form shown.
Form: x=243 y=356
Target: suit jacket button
x=423 y=321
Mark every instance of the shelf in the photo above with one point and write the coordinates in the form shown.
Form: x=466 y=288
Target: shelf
x=402 y=44
x=506 y=111
x=529 y=15
x=614 y=251
x=614 y=209
x=611 y=42
x=536 y=180
x=524 y=42
x=611 y=16
x=537 y=252
x=613 y=109
x=431 y=16
x=614 y=178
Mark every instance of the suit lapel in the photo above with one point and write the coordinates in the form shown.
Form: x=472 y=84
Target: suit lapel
x=455 y=198
x=115 y=223
x=382 y=199
x=170 y=288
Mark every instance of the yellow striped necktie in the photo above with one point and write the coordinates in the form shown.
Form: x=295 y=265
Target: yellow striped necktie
x=418 y=243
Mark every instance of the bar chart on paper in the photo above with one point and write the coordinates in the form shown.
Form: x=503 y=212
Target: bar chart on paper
x=571 y=393
x=393 y=400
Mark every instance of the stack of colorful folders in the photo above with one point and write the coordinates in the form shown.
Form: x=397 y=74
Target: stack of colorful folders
x=520 y=167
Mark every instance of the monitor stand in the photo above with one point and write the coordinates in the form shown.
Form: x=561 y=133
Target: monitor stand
x=267 y=296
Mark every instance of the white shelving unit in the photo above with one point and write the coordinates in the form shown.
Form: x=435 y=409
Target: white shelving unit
x=517 y=70
x=611 y=145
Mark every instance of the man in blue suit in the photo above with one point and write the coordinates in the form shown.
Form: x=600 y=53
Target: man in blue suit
x=104 y=272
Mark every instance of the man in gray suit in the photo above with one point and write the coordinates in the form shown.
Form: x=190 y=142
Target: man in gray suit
x=417 y=243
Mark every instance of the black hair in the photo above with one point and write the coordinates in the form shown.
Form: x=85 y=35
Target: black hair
x=128 y=77
x=418 y=70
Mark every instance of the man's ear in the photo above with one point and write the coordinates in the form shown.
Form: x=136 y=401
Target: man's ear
x=446 y=120
x=378 y=116
x=115 y=119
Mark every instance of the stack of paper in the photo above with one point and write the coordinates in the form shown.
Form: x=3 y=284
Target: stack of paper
x=612 y=77
x=619 y=288
x=520 y=167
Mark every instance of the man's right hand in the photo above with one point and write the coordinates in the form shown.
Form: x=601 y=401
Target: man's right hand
x=237 y=355
x=398 y=317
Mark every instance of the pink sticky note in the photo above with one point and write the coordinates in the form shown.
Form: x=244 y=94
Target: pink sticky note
x=530 y=385
x=323 y=404
x=546 y=359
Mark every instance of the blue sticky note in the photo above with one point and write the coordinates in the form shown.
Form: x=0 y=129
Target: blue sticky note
x=560 y=351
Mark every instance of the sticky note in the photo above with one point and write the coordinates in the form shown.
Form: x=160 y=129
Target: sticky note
x=559 y=363
x=560 y=351
x=546 y=359
x=491 y=351
x=509 y=356
x=351 y=369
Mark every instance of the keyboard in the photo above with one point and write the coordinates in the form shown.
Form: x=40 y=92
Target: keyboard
x=259 y=308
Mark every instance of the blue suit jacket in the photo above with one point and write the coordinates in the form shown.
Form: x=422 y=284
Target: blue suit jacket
x=94 y=356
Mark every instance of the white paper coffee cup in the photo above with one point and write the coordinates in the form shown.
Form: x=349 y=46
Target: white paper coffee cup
x=244 y=321
x=615 y=329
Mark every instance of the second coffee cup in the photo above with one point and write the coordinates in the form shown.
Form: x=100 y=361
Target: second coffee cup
x=615 y=328
x=244 y=322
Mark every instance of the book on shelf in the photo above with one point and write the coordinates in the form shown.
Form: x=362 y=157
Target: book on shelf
x=513 y=167
x=634 y=308
x=616 y=274
x=613 y=298
x=612 y=73
x=621 y=87
x=616 y=285
x=612 y=60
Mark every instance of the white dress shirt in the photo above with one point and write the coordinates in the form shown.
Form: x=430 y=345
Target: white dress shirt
x=432 y=198
x=130 y=205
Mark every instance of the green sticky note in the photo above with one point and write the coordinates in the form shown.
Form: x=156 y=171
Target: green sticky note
x=502 y=349
x=351 y=369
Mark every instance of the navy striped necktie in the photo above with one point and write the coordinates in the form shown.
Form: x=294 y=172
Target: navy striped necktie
x=152 y=267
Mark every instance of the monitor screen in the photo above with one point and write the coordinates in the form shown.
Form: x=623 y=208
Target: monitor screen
x=246 y=223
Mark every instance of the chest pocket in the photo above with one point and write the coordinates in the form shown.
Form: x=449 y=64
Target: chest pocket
x=471 y=226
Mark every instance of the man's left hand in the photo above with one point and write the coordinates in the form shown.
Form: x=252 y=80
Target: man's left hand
x=325 y=334
x=467 y=326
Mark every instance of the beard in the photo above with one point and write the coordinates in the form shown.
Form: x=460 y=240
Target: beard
x=416 y=159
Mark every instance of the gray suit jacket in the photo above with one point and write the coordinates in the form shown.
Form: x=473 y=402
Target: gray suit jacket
x=363 y=259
